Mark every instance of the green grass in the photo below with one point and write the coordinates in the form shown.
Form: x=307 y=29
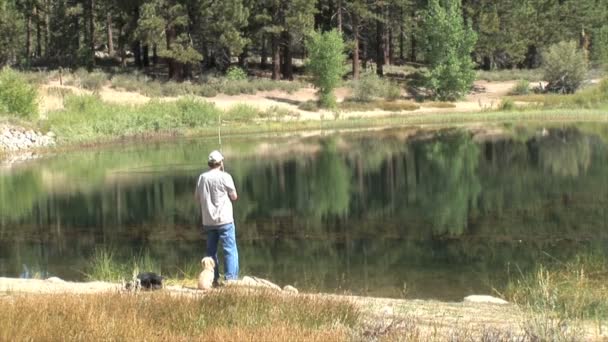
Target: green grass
x=531 y=75
x=588 y=98
x=575 y=289
x=389 y=106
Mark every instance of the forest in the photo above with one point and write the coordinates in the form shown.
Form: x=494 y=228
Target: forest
x=184 y=38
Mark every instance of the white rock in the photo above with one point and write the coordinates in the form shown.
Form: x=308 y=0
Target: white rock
x=484 y=299
x=290 y=289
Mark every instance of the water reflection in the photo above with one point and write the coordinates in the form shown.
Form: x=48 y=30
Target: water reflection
x=380 y=213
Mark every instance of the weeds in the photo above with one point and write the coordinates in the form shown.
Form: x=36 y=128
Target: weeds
x=521 y=88
x=243 y=113
x=573 y=290
x=223 y=315
x=388 y=106
x=370 y=86
x=17 y=97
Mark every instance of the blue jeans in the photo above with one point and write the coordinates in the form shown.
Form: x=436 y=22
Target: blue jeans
x=225 y=233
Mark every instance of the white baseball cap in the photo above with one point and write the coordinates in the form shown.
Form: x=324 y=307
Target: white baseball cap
x=215 y=156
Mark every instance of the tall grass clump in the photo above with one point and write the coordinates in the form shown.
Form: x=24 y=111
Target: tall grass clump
x=574 y=290
x=104 y=267
x=242 y=113
x=522 y=87
x=17 y=97
x=228 y=315
x=87 y=118
x=370 y=86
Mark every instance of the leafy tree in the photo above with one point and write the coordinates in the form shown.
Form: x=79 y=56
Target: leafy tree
x=564 y=67
x=599 y=48
x=449 y=43
x=326 y=63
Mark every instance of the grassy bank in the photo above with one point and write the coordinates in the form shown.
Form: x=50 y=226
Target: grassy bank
x=234 y=315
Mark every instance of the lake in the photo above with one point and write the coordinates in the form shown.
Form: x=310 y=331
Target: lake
x=396 y=213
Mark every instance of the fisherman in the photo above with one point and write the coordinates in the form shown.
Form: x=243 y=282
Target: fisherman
x=215 y=192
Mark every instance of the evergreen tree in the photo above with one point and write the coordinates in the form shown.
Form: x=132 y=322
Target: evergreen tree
x=10 y=33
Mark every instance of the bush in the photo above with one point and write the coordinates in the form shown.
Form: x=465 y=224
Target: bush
x=309 y=105
x=235 y=73
x=242 y=112
x=521 y=88
x=93 y=81
x=326 y=64
x=17 y=97
x=507 y=105
x=564 y=67
x=370 y=86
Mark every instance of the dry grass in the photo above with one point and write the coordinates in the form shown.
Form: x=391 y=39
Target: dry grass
x=227 y=315
x=389 y=106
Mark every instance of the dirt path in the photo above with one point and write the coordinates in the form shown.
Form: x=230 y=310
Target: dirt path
x=415 y=320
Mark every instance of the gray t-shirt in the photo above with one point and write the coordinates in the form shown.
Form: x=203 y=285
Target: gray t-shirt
x=212 y=190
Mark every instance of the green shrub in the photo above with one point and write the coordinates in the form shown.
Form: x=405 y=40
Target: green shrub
x=235 y=73
x=309 y=105
x=507 y=105
x=392 y=91
x=564 y=67
x=17 y=97
x=93 y=81
x=370 y=86
x=522 y=87
x=242 y=112
x=326 y=64
x=206 y=91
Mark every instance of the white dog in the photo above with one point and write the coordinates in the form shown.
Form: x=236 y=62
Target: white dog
x=205 y=279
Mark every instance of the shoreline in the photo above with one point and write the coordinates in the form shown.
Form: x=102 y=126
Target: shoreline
x=428 y=319
x=479 y=121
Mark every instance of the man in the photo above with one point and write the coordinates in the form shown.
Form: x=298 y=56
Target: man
x=214 y=191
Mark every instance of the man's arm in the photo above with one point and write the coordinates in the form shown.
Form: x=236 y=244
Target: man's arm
x=230 y=188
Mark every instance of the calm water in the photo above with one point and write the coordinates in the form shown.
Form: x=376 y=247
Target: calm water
x=382 y=213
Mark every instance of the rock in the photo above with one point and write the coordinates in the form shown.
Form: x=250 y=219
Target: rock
x=55 y=280
x=257 y=282
x=484 y=299
x=290 y=289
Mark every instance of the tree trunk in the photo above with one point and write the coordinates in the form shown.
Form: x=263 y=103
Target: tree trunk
x=388 y=46
x=379 y=48
x=28 y=39
x=154 y=54
x=401 y=37
x=339 y=14
x=145 y=55
x=92 y=30
x=287 y=60
x=413 y=48
x=264 y=55
x=38 y=33
x=137 y=54
x=47 y=28
x=355 y=47
x=276 y=58
x=110 y=38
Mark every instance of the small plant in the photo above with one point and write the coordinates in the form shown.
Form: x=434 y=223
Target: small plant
x=17 y=97
x=507 y=105
x=522 y=87
x=370 y=86
x=564 y=67
x=243 y=113
x=326 y=64
x=104 y=267
x=235 y=73
x=310 y=106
